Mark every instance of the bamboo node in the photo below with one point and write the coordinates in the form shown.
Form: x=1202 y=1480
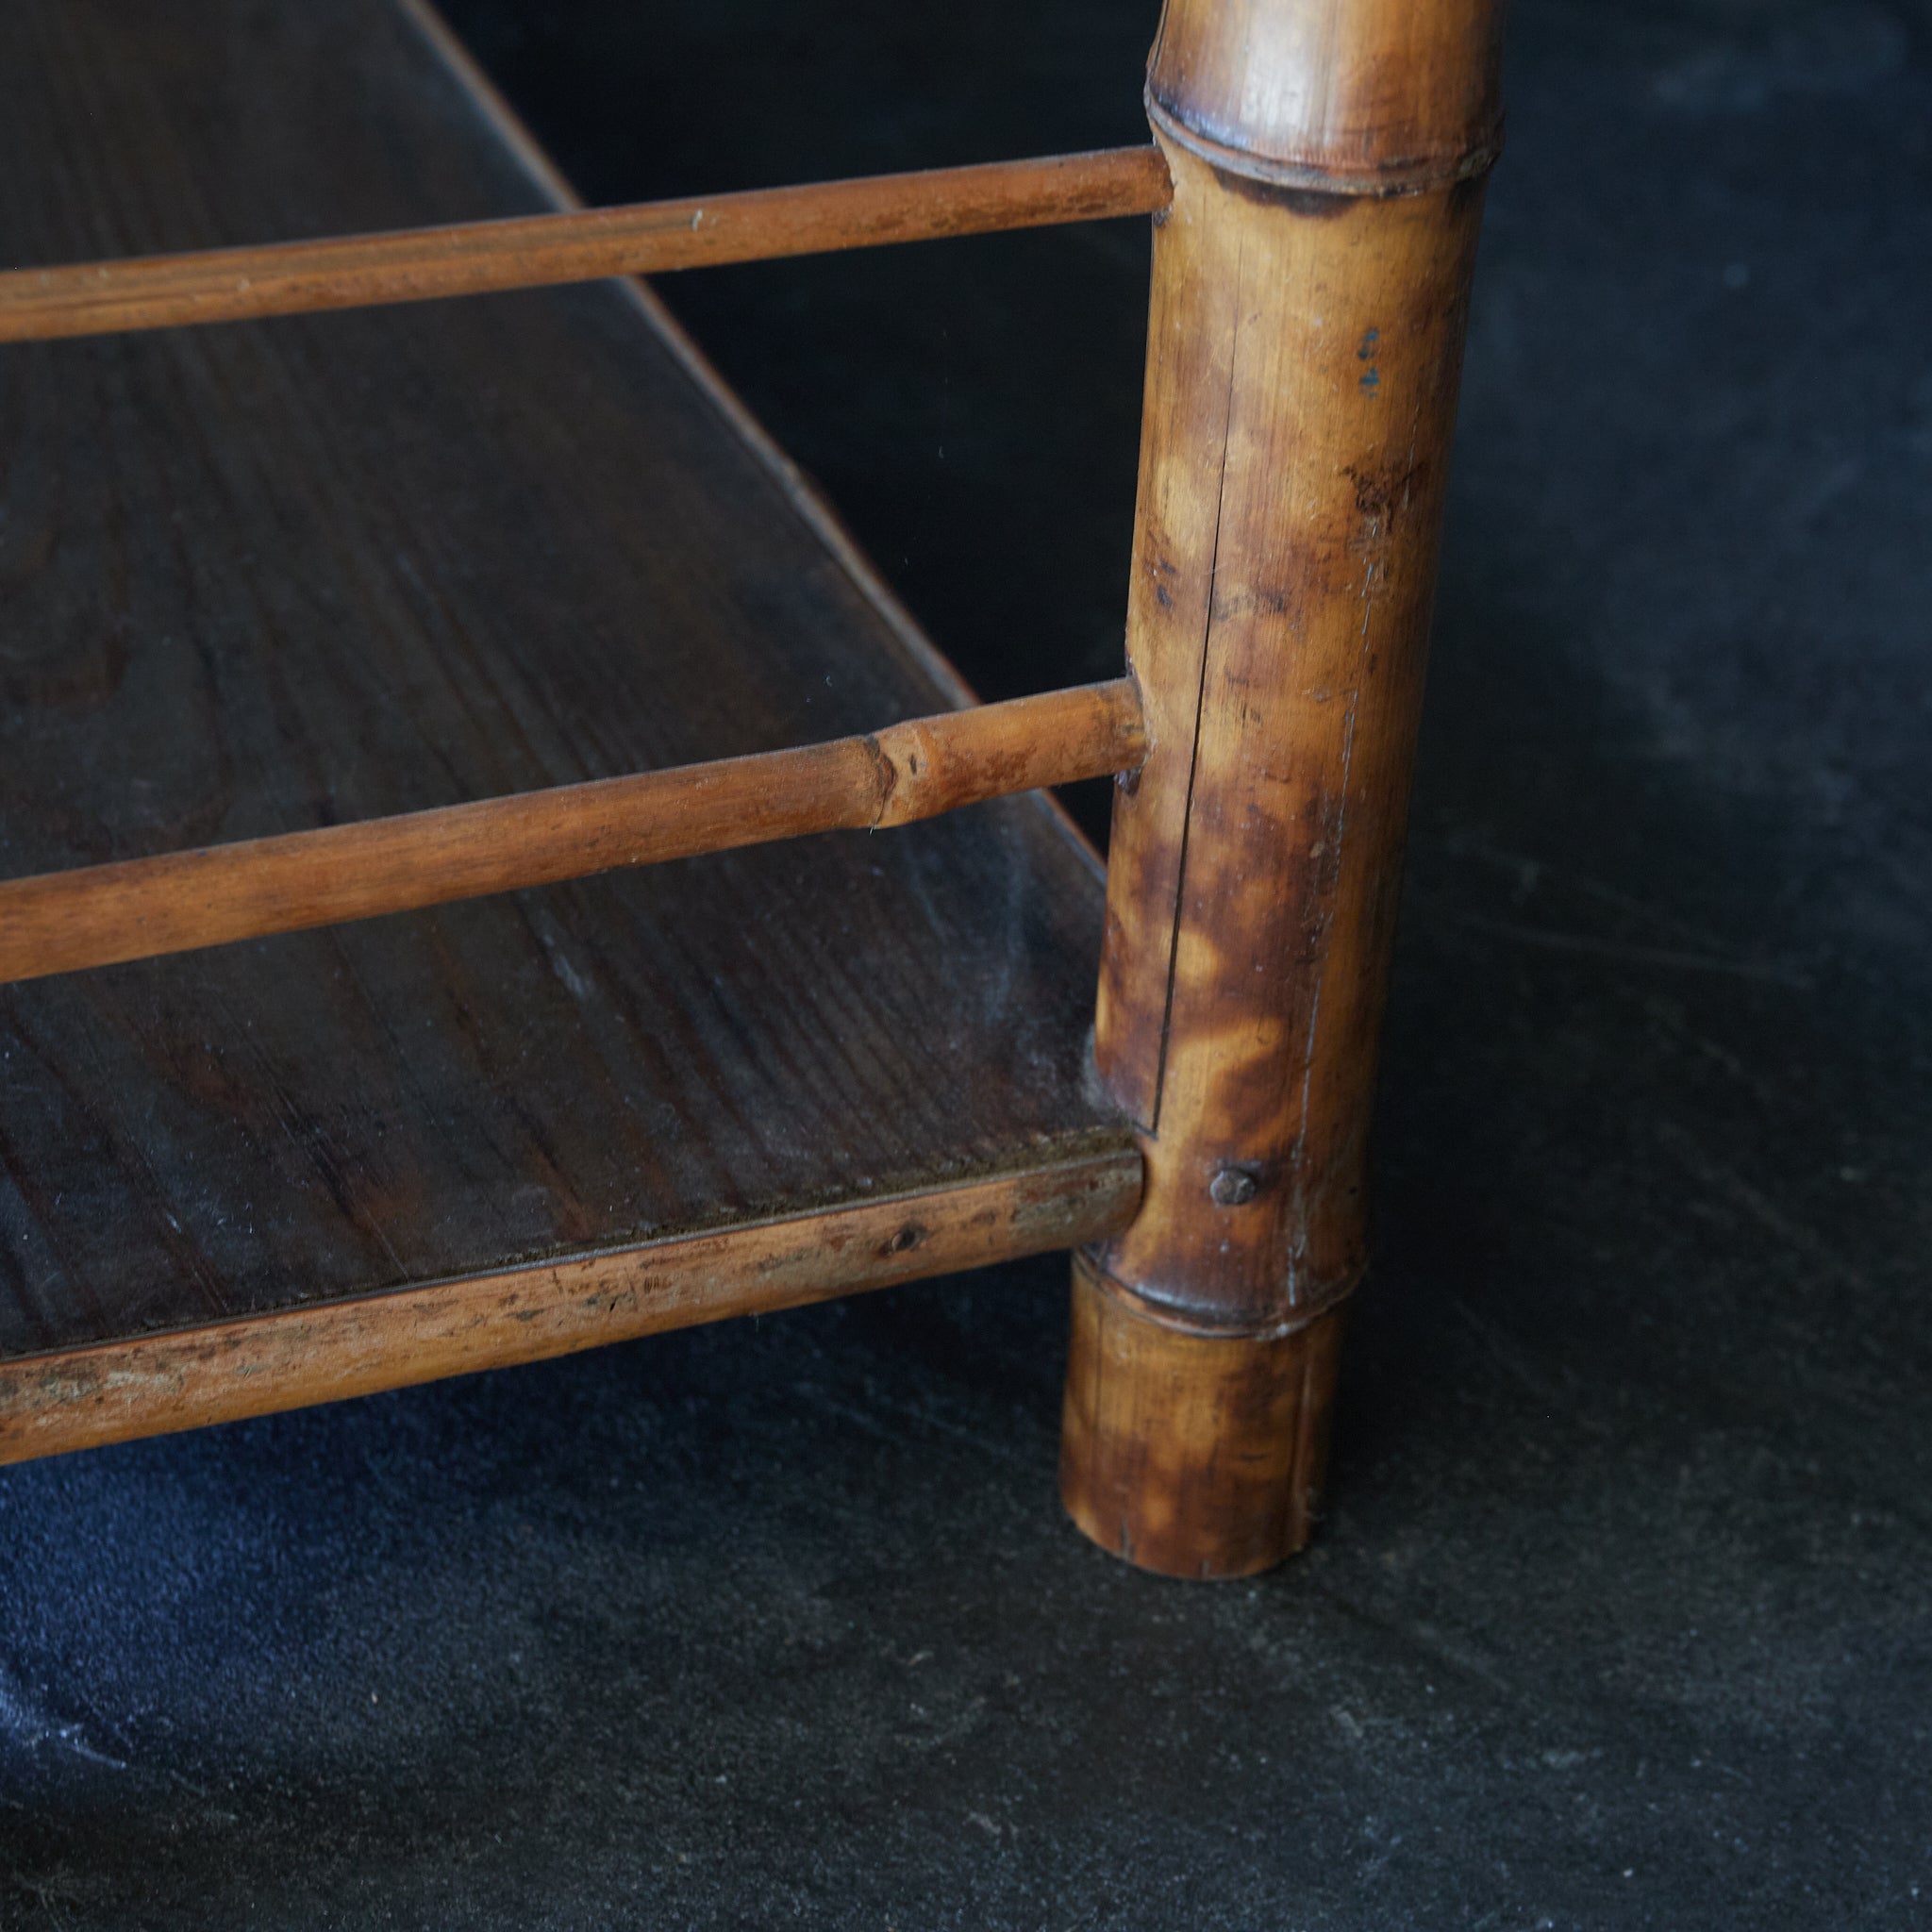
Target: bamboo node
x=1315 y=174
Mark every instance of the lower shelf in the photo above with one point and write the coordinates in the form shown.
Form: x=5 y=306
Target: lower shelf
x=271 y=575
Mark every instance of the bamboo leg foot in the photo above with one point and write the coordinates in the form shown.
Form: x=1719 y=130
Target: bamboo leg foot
x=1189 y=1455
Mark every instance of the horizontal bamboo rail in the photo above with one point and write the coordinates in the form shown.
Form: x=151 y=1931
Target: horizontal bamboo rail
x=326 y=1351
x=101 y=915
x=588 y=245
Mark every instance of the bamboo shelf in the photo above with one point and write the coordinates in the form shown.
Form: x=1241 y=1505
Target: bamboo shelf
x=487 y=869
x=266 y=579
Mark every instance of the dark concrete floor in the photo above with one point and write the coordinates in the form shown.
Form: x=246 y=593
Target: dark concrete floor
x=1622 y=1612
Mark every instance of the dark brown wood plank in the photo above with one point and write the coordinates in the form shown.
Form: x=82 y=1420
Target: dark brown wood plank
x=299 y=573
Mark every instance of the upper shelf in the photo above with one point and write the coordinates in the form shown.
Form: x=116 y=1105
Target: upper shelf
x=281 y=574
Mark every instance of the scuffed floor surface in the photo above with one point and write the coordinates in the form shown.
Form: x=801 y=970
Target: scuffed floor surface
x=1622 y=1612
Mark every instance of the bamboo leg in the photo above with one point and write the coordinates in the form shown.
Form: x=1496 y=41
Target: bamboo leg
x=1305 y=340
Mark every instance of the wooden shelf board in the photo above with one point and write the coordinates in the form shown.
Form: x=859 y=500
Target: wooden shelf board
x=272 y=576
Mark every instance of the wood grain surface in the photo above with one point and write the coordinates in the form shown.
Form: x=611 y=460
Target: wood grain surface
x=42 y=304
x=302 y=572
x=140 y=909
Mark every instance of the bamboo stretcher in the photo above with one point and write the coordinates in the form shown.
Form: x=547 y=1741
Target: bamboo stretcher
x=574 y=246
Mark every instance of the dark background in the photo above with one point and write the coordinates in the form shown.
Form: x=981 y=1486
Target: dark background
x=1621 y=1616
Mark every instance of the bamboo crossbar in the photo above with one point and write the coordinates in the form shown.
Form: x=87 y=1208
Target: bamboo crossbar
x=101 y=915
x=536 y=251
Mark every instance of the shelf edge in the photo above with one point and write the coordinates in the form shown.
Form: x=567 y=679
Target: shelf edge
x=115 y=1392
